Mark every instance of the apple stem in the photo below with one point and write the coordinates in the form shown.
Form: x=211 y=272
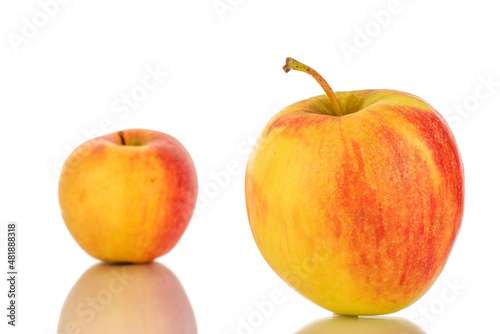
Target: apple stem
x=120 y=133
x=292 y=64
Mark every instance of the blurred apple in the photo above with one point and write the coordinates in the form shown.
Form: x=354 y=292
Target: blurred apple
x=127 y=299
x=355 y=198
x=128 y=196
x=361 y=325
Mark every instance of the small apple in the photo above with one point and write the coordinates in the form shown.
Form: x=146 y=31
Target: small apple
x=127 y=299
x=361 y=325
x=128 y=196
x=355 y=198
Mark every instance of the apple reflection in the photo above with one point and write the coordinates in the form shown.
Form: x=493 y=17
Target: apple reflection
x=143 y=298
x=361 y=325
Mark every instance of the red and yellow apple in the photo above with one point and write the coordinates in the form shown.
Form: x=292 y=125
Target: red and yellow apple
x=128 y=196
x=355 y=198
x=127 y=299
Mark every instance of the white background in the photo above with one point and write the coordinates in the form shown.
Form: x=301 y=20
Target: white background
x=224 y=82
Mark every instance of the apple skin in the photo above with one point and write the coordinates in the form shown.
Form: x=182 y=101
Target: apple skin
x=128 y=203
x=361 y=325
x=358 y=213
x=127 y=299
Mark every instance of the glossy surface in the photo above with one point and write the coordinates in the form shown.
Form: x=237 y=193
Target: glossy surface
x=127 y=299
x=361 y=325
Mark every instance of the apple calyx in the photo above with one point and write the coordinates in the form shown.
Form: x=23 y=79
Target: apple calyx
x=292 y=64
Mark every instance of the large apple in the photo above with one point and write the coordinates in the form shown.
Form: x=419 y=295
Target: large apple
x=355 y=198
x=127 y=299
x=128 y=196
